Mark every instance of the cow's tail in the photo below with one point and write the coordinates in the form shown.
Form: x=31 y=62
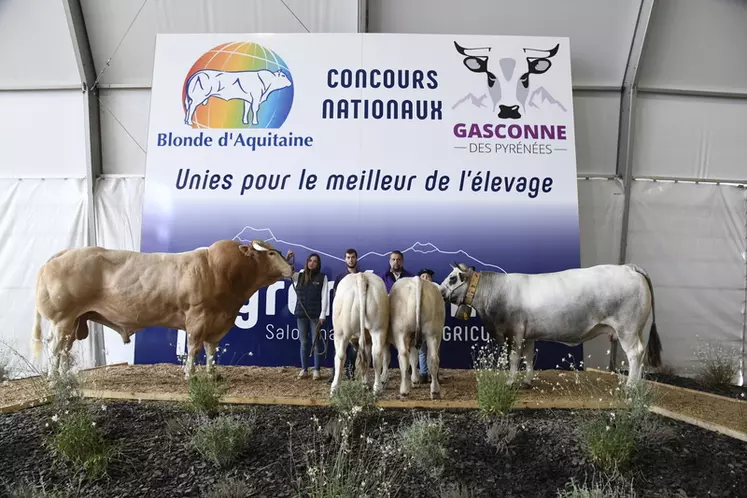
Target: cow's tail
x=36 y=334
x=653 y=349
x=418 y=299
x=361 y=359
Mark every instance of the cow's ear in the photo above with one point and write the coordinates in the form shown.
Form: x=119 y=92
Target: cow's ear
x=244 y=249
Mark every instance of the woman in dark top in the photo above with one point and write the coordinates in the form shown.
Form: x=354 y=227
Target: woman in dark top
x=311 y=294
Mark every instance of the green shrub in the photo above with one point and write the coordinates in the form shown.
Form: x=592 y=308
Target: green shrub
x=611 y=438
x=425 y=442
x=204 y=392
x=501 y=433
x=352 y=398
x=612 y=487
x=610 y=441
x=77 y=439
x=222 y=440
x=494 y=394
x=719 y=365
x=228 y=488
x=455 y=490
x=345 y=465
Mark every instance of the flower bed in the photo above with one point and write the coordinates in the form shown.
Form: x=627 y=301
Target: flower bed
x=526 y=453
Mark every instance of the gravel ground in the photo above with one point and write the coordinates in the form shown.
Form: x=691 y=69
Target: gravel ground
x=156 y=460
x=737 y=392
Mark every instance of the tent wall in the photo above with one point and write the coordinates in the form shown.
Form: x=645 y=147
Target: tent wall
x=125 y=91
x=43 y=189
x=689 y=99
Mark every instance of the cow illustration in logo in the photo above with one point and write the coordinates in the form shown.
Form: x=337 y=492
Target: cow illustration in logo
x=233 y=81
x=509 y=89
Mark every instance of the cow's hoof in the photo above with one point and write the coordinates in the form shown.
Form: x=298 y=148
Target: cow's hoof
x=435 y=395
x=404 y=396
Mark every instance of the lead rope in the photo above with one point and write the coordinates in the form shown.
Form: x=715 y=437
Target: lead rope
x=318 y=328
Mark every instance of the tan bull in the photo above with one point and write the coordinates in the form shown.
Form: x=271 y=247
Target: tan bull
x=200 y=291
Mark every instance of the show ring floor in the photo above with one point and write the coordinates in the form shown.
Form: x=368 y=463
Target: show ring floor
x=589 y=389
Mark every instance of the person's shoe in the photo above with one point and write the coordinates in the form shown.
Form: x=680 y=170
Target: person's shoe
x=303 y=374
x=316 y=375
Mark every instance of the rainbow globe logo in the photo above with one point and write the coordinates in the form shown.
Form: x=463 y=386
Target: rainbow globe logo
x=238 y=85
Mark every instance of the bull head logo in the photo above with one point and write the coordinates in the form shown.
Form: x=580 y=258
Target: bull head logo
x=507 y=91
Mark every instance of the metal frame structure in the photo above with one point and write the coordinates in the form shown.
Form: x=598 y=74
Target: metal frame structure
x=92 y=122
x=624 y=168
x=629 y=91
x=362 y=16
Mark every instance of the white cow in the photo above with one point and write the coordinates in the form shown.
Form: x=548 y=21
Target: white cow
x=569 y=307
x=361 y=310
x=253 y=87
x=416 y=313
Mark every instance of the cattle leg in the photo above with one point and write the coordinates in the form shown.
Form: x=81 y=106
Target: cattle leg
x=255 y=112
x=340 y=349
x=209 y=355
x=414 y=370
x=378 y=343
x=54 y=357
x=529 y=355
x=634 y=375
x=634 y=349
x=65 y=337
x=366 y=363
x=402 y=358
x=387 y=353
x=635 y=360
x=434 y=348
x=194 y=347
x=514 y=357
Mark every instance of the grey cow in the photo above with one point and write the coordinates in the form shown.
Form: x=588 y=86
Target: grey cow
x=570 y=307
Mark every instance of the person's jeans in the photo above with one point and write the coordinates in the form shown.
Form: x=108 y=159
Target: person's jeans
x=306 y=330
x=423 y=358
x=350 y=355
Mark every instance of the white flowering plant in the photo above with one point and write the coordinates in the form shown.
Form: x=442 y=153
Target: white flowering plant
x=370 y=464
x=496 y=393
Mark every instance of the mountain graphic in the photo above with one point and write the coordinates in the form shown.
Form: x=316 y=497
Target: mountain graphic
x=249 y=233
x=544 y=97
x=477 y=102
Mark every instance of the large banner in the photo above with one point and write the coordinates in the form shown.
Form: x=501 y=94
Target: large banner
x=444 y=147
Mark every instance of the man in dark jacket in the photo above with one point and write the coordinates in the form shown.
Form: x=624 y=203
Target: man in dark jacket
x=396 y=270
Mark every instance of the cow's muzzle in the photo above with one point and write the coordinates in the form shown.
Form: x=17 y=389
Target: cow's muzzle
x=509 y=112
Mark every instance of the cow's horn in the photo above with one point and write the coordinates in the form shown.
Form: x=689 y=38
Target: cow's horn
x=258 y=246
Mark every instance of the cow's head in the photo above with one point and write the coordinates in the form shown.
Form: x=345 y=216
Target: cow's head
x=454 y=286
x=271 y=265
x=508 y=85
x=280 y=80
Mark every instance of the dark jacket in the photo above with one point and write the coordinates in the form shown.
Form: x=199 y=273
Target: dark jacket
x=389 y=279
x=314 y=295
x=338 y=278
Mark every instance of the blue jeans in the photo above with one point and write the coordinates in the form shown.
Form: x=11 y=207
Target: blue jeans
x=306 y=330
x=423 y=358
